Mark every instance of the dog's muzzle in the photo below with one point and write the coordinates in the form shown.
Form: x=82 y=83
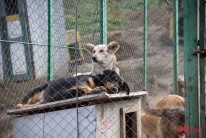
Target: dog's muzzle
x=118 y=86
x=94 y=59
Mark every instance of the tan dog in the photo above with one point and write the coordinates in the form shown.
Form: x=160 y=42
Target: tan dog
x=103 y=57
x=163 y=120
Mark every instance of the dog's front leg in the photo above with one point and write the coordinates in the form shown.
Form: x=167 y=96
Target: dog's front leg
x=98 y=90
x=88 y=90
x=21 y=106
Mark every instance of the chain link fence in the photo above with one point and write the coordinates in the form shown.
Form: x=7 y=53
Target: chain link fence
x=24 y=63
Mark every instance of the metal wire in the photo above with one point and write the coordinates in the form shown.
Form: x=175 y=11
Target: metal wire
x=24 y=63
x=76 y=69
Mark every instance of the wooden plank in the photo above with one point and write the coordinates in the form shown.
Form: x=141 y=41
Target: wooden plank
x=81 y=101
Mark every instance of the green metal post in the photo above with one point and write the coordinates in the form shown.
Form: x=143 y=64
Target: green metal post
x=202 y=68
x=145 y=44
x=192 y=108
x=50 y=46
x=103 y=21
x=176 y=46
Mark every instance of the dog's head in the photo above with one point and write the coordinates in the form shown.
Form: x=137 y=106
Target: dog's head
x=114 y=83
x=175 y=118
x=103 y=54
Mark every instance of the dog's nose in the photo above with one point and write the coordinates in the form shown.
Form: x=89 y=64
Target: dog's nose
x=94 y=59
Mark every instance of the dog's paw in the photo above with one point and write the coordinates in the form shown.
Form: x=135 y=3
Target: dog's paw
x=22 y=106
x=102 y=89
x=19 y=105
x=99 y=89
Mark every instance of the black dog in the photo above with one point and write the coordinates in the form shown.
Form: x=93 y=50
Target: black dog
x=71 y=87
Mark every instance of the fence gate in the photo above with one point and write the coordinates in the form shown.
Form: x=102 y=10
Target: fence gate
x=194 y=12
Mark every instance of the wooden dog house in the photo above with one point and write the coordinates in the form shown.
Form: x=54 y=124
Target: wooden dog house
x=94 y=116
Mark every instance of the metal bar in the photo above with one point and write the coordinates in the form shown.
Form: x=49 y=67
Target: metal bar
x=76 y=65
x=176 y=46
x=198 y=66
x=50 y=46
x=103 y=21
x=145 y=44
x=38 y=44
x=191 y=71
x=202 y=68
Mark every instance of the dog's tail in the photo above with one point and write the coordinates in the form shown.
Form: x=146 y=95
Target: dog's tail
x=167 y=112
x=33 y=92
x=148 y=109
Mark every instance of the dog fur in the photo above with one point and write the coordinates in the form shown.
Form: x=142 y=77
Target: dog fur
x=164 y=118
x=103 y=57
x=71 y=87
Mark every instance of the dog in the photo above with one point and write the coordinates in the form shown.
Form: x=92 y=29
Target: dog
x=164 y=119
x=71 y=87
x=103 y=58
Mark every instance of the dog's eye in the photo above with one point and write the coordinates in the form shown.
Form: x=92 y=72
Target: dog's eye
x=101 y=51
x=93 y=51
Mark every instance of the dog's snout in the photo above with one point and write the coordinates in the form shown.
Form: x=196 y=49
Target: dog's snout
x=119 y=84
x=94 y=59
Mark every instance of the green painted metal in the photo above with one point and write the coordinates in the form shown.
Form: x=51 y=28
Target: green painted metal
x=145 y=44
x=103 y=21
x=191 y=74
x=50 y=46
x=176 y=46
x=202 y=68
x=7 y=50
x=25 y=37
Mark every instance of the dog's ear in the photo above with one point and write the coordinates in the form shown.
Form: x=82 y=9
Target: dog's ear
x=125 y=87
x=89 y=47
x=113 y=47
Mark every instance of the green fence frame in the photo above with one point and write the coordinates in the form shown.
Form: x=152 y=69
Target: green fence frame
x=103 y=21
x=50 y=43
x=145 y=45
x=176 y=45
x=193 y=105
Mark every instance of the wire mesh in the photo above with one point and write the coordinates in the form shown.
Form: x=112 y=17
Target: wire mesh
x=24 y=63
